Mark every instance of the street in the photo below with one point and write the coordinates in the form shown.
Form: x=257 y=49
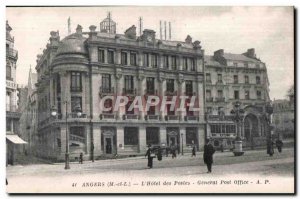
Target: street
x=252 y=163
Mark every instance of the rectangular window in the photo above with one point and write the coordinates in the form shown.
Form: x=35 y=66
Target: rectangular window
x=220 y=94
x=193 y=68
x=76 y=83
x=185 y=63
x=8 y=72
x=129 y=86
x=208 y=94
x=131 y=136
x=247 y=95
x=101 y=55
x=58 y=105
x=76 y=104
x=170 y=85
x=236 y=95
x=133 y=59
x=123 y=58
x=78 y=131
x=110 y=57
x=189 y=87
x=152 y=135
x=246 y=79
x=146 y=59
x=219 y=78
x=8 y=124
x=58 y=87
x=150 y=85
x=235 y=64
x=235 y=79
x=154 y=58
x=257 y=79
x=106 y=83
x=173 y=62
x=169 y=111
x=258 y=93
x=166 y=61
x=191 y=136
x=208 y=78
x=151 y=110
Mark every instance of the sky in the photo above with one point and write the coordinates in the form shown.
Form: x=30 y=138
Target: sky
x=235 y=29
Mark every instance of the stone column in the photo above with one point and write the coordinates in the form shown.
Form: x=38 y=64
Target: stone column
x=96 y=83
x=182 y=133
x=163 y=135
x=119 y=88
x=181 y=90
x=52 y=101
x=88 y=140
x=160 y=61
x=179 y=62
x=65 y=93
x=201 y=137
x=97 y=140
x=142 y=139
x=141 y=92
x=118 y=56
x=162 y=90
x=105 y=56
x=120 y=139
x=140 y=58
x=200 y=98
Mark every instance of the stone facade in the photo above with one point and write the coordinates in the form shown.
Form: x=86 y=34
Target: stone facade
x=85 y=67
x=230 y=78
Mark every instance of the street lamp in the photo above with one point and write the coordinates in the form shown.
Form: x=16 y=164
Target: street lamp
x=181 y=143
x=79 y=113
x=238 y=113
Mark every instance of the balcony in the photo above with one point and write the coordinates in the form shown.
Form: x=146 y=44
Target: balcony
x=106 y=91
x=191 y=118
x=74 y=115
x=209 y=99
x=220 y=99
x=127 y=91
x=152 y=117
x=12 y=112
x=219 y=118
x=171 y=117
x=107 y=116
x=170 y=93
x=11 y=53
x=130 y=117
x=10 y=84
x=223 y=135
x=11 y=108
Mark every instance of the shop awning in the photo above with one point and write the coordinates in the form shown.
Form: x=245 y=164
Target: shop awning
x=15 y=139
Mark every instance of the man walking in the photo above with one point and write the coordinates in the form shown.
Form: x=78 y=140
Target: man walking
x=150 y=156
x=208 y=155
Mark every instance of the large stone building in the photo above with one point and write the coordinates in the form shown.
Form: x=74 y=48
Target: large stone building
x=284 y=116
x=230 y=78
x=13 y=141
x=84 y=67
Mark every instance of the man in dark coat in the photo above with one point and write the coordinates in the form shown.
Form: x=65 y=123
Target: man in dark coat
x=270 y=148
x=150 y=159
x=159 y=154
x=194 y=151
x=208 y=155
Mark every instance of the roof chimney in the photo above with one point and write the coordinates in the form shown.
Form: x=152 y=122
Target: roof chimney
x=219 y=53
x=250 y=53
x=79 y=29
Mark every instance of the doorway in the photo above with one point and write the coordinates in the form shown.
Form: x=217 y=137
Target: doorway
x=108 y=145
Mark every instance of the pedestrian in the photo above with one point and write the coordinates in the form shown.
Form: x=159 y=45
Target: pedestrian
x=150 y=156
x=159 y=154
x=222 y=147
x=270 y=148
x=81 y=158
x=194 y=151
x=279 y=145
x=173 y=151
x=208 y=155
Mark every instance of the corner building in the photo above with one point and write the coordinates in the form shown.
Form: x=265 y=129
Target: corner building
x=84 y=67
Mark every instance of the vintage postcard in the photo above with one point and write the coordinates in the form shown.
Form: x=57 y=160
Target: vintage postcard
x=143 y=99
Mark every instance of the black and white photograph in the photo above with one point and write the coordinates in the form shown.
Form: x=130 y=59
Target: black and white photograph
x=150 y=99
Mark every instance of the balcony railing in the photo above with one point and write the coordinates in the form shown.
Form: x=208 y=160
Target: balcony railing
x=129 y=91
x=191 y=118
x=130 y=117
x=11 y=53
x=109 y=116
x=220 y=99
x=109 y=90
x=10 y=84
x=220 y=118
x=171 y=117
x=170 y=93
x=77 y=138
x=227 y=135
x=74 y=115
x=209 y=99
x=11 y=108
x=152 y=117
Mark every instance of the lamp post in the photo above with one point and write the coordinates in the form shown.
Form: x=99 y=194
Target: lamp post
x=181 y=143
x=54 y=113
x=238 y=113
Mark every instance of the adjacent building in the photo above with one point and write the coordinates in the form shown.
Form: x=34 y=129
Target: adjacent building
x=13 y=141
x=84 y=67
x=230 y=78
x=284 y=116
